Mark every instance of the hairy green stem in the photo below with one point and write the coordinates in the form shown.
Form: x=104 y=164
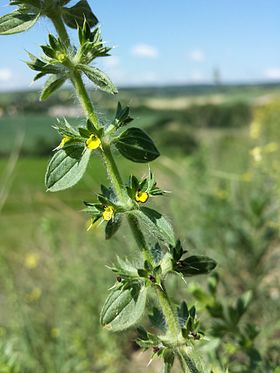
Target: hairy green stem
x=113 y=173
x=76 y=75
x=84 y=98
x=169 y=314
x=139 y=237
x=183 y=363
x=186 y=362
x=60 y=29
x=117 y=183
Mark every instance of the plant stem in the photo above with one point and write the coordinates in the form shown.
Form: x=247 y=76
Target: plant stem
x=117 y=183
x=60 y=29
x=84 y=98
x=76 y=76
x=183 y=363
x=139 y=237
x=186 y=362
x=113 y=173
x=168 y=312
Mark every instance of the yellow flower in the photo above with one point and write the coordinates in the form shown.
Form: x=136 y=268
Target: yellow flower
x=93 y=142
x=256 y=154
x=64 y=140
x=255 y=129
x=34 y=295
x=246 y=177
x=31 y=261
x=141 y=196
x=221 y=194
x=55 y=332
x=60 y=56
x=108 y=213
x=271 y=147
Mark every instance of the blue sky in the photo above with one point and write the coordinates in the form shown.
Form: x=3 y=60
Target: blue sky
x=161 y=42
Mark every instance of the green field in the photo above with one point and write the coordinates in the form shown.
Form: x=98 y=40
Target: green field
x=223 y=204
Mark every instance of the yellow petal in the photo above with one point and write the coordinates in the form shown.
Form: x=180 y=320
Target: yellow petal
x=256 y=153
x=271 y=147
x=64 y=140
x=31 y=261
x=141 y=196
x=55 y=332
x=93 y=142
x=60 y=56
x=108 y=213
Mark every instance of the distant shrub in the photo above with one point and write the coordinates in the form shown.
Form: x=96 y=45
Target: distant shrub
x=233 y=115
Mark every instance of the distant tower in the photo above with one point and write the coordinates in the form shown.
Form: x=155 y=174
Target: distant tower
x=217 y=76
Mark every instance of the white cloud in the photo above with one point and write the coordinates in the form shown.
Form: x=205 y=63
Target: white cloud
x=197 y=55
x=197 y=77
x=5 y=75
x=272 y=73
x=145 y=50
x=111 y=62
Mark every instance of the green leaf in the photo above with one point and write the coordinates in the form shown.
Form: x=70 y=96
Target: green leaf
x=183 y=313
x=98 y=78
x=157 y=319
x=195 y=265
x=188 y=363
x=76 y=15
x=156 y=224
x=53 y=83
x=122 y=117
x=17 y=22
x=123 y=308
x=213 y=282
x=135 y=145
x=243 y=303
x=168 y=361
x=66 y=167
x=112 y=226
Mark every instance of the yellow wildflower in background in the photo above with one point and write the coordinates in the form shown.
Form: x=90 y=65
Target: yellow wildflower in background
x=271 y=147
x=256 y=153
x=247 y=177
x=141 y=196
x=221 y=194
x=33 y=295
x=31 y=261
x=108 y=213
x=255 y=130
x=55 y=332
x=93 y=142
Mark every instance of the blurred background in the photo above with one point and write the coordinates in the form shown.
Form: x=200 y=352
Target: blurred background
x=204 y=81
